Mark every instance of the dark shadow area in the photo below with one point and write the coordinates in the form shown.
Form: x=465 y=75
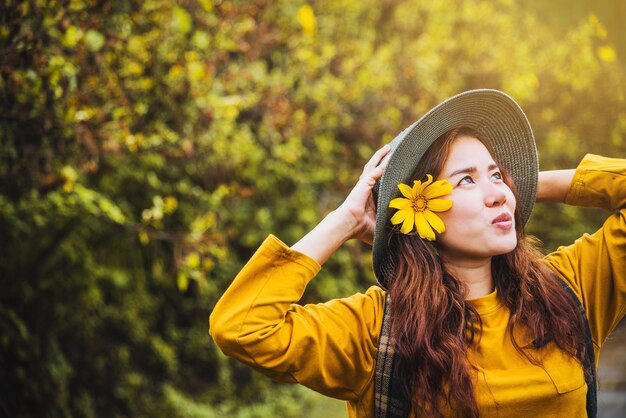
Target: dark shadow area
x=612 y=375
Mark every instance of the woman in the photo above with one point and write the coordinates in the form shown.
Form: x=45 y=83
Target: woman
x=480 y=323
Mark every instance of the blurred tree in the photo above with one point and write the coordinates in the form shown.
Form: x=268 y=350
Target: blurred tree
x=564 y=14
x=147 y=147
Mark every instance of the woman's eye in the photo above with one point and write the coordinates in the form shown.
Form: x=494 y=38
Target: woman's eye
x=497 y=175
x=466 y=180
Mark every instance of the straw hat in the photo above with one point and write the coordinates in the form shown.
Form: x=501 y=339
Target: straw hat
x=493 y=114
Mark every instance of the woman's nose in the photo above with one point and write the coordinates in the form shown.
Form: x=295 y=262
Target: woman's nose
x=494 y=195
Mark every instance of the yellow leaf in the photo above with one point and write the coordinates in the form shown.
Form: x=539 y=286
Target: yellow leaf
x=207 y=4
x=203 y=223
x=598 y=28
x=182 y=20
x=192 y=260
x=69 y=174
x=176 y=71
x=208 y=264
x=182 y=282
x=133 y=68
x=170 y=204
x=84 y=114
x=144 y=238
x=607 y=53
x=201 y=40
x=306 y=18
x=72 y=36
x=195 y=71
x=95 y=40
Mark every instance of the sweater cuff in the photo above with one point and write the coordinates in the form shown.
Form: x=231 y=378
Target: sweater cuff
x=577 y=186
x=598 y=182
x=274 y=248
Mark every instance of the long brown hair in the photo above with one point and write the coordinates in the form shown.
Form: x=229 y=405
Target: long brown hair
x=433 y=326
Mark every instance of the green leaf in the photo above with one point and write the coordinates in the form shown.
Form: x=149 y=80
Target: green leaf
x=95 y=40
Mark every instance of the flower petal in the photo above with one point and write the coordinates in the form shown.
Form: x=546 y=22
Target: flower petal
x=425 y=184
x=400 y=203
x=439 y=205
x=407 y=225
x=435 y=221
x=406 y=190
x=401 y=215
x=423 y=229
x=438 y=189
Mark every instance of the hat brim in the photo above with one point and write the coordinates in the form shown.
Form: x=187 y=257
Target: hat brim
x=492 y=113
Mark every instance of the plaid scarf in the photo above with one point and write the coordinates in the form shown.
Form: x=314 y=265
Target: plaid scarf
x=389 y=400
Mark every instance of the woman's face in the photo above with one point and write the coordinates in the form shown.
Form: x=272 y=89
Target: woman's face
x=481 y=222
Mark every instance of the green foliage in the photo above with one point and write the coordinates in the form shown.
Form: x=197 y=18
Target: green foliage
x=147 y=147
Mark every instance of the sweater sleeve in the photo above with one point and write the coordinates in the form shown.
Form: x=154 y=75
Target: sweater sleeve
x=595 y=265
x=329 y=347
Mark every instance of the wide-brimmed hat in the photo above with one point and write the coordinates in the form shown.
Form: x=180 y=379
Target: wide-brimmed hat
x=492 y=113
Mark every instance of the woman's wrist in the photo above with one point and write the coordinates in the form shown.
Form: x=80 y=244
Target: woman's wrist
x=327 y=236
x=553 y=186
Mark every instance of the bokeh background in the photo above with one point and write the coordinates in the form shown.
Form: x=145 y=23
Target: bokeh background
x=147 y=147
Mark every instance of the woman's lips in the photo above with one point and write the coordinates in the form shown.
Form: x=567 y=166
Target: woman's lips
x=503 y=221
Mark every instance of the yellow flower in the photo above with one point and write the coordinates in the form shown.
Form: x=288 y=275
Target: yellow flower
x=418 y=205
x=307 y=19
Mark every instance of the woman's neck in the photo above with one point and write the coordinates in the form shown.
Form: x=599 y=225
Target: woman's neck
x=475 y=273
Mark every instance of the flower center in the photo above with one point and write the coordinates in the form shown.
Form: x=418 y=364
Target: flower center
x=419 y=203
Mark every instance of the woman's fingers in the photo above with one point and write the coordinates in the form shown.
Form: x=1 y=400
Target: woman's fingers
x=374 y=168
x=361 y=194
x=378 y=155
x=358 y=204
x=380 y=168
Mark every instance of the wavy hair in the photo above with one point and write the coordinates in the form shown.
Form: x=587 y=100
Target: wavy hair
x=433 y=326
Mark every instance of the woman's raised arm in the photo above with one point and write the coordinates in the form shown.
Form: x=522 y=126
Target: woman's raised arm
x=554 y=185
x=329 y=347
x=594 y=266
x=355 y=218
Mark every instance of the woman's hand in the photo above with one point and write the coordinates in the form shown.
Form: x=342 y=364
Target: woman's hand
x=358 y=208
x=355 y=218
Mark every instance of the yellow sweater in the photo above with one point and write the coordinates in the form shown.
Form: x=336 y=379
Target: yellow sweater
x=331 y=347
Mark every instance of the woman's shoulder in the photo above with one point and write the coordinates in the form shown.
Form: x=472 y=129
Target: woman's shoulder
x=371 y=301
x=377 y=291
x=377 y=295
x=364 y=310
